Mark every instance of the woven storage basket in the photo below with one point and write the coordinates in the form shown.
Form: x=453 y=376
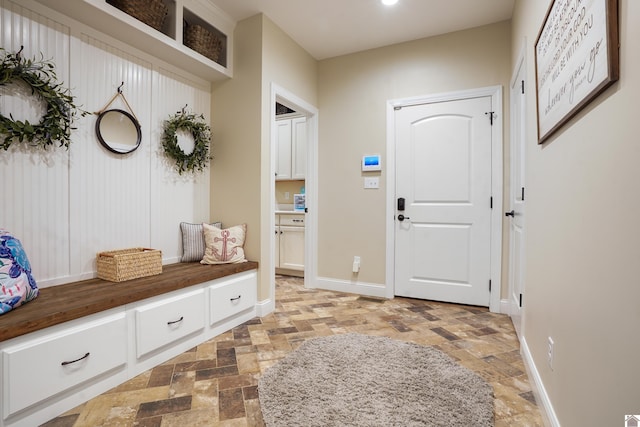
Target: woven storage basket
x=203 y=41
x=151 y=12
x=127 y=264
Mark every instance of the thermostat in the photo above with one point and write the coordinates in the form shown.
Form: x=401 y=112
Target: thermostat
x=371 y=163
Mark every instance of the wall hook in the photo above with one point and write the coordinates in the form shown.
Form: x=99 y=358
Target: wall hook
x=184 y=108
x=120 y=87
x=20 y=51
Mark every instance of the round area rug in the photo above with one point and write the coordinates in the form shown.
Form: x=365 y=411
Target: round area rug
x=360 y=380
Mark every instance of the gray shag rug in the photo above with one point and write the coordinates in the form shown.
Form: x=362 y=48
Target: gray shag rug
x=360 y=380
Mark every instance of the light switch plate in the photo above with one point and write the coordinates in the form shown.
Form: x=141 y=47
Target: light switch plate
x=372 y=182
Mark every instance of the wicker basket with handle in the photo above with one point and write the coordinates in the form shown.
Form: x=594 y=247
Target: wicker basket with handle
x=127 y=264
x=203 y=41
x=151 y=12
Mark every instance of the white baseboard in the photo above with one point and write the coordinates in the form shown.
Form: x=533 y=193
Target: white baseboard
x=544 y=403
x=265 y=307
x=360 y=288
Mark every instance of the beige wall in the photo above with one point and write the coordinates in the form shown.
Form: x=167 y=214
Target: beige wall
x=291 y=187
x=352 y=92
x=241 y=121
x=236 y=117
x=287 y=65
x=582 y=250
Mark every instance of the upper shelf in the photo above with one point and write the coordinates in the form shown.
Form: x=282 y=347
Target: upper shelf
x=166 y=44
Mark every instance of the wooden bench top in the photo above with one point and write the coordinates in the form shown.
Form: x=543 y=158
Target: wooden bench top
x=58 y=304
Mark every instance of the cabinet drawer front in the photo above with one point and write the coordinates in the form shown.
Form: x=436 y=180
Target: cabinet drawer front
x=232 y=296
x=168 y=320
x=295 y=220
x=41 y=368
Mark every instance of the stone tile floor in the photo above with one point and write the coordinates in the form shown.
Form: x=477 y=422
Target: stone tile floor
x=215 y=383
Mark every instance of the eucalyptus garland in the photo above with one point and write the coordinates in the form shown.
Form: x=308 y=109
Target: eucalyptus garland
x=195 y=125
x=40 y=76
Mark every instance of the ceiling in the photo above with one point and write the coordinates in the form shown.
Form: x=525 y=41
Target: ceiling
x=328 y=28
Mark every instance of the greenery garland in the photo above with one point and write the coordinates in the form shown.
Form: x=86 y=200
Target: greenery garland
x=40 y=76
x=196 y=126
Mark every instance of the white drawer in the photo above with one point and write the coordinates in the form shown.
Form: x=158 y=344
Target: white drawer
x=168 y=320
x=232 y=296
x=50 y=364
x=296 y=220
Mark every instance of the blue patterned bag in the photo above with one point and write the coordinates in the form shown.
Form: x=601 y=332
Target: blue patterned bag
x=17 y=285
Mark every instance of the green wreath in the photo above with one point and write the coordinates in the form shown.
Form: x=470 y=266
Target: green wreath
x=194 y=124
x=40 y=76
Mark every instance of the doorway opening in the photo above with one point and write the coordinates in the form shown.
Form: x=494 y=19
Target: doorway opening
x=293 y=186
x=290 y=191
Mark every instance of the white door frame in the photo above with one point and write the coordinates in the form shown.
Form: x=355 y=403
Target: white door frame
x=495 y=92
x=282 y=95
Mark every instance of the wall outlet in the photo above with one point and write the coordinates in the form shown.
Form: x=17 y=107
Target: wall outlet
x=356 y=264
x=550 y=352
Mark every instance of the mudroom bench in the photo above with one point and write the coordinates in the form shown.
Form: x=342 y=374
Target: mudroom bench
x=80 y=339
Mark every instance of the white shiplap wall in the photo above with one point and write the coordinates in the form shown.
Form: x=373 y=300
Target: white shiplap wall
x=66 y=206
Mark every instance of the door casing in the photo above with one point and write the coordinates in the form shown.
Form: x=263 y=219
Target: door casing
x=284 y=96
x=495 y=92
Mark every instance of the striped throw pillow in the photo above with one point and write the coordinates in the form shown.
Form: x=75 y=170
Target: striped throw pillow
x=193 y=241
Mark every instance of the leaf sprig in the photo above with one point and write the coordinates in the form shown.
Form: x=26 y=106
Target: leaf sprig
x=57 y=122
x=198 y=159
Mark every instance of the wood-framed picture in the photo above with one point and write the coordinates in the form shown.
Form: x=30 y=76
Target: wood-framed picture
x=576 y=56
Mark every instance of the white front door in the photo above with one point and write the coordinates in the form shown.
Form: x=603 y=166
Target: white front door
x=517 y=197
x=443 y=173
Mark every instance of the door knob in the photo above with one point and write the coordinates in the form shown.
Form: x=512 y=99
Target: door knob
x=402 y=217
x=512 y=213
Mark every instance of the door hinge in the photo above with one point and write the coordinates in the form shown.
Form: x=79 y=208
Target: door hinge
x=490 y=114
x=520 y=300
x=522 y=194
x=522 y=86
x=489 y=285
x=491 y=202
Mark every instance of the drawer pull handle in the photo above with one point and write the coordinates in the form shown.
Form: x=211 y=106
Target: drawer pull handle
x=74 y=361
x=176 y=321
x=236 y=298
x=298 y=220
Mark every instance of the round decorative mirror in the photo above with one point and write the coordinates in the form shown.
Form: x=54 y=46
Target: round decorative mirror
x=118 y=131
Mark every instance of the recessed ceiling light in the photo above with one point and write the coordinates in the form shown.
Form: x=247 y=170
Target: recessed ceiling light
x=389 y=2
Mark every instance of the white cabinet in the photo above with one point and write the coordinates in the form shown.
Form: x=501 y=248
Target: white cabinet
x=35 y=369
x=292 y=248
x=290 y=242
x=168 y=320
x=167 y=43
x=291 y=159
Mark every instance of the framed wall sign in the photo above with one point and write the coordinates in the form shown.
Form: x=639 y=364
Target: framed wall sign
x=576 y=55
